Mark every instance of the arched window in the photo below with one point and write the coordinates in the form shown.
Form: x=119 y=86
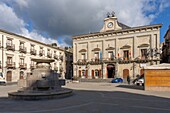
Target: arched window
x=21 y=75
x=96 y=73
x=83 y=73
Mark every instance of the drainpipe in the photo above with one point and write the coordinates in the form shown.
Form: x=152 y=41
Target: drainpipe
x=2 y=53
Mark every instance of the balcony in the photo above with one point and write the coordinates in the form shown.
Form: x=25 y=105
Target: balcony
x=61 y=57
x=49 y=55
x=95 y=61
x=55 y=56
x=125 y=60
x=61 y=69
x=55 y=68
x=109 y=60
x=10 y=64
x=10 y=46
x=41 y=53
x=32 y=66
x=141 y=60
x=22 y=49
x=33 y=51
x=22 y=65
x=81 y=62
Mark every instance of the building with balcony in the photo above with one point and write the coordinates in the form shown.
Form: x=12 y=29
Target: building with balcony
x=69 y=62
x=116 y=51
x=165 y=56
x=17 y=52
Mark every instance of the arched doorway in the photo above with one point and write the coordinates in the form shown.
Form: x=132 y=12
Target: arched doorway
x=21 y=75
x=125 y=74
x=92 y=73
x=86 y=73
x=9 y=76
x=110 y=70
x=79 y=73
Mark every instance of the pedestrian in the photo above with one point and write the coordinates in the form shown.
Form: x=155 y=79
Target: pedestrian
x=128 y=79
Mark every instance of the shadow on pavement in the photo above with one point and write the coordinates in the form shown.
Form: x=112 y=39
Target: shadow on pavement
x=85 y=101
x=131 y=87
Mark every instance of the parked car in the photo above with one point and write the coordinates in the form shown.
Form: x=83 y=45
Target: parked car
x=140 y=82
x=117 y=80
x=2 y=79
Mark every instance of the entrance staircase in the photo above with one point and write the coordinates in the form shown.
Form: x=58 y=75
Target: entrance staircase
x=96 y=80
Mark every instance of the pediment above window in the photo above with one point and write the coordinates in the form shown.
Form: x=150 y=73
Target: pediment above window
x=110 y=48
x=83 y=50
x=143 y=45
x=125 y=47
x=96 y=49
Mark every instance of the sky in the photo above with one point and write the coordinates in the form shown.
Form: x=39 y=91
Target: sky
x=55 y=21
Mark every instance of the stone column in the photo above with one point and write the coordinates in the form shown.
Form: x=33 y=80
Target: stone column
x=88 y=51
x=89 y=72
x=75 y=67
x=104 y=71
x=151 y=48
x=103 y=49
x=135 y=47
x=116 y=48
x=116 y=70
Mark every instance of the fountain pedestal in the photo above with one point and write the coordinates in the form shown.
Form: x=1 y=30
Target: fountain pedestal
x=42 y=84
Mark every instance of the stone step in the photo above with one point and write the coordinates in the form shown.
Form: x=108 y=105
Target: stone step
x=95 y=80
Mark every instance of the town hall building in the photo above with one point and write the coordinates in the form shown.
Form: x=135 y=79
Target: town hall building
x=116 y=51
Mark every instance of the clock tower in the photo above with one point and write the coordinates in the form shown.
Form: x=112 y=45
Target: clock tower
x=110 y=23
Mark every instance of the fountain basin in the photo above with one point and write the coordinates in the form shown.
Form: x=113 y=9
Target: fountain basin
x=39 y=95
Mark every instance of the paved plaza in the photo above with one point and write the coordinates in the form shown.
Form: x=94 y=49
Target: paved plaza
x=92 y=98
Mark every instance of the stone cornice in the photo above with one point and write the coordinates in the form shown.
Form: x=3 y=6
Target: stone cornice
x=10 y=33
x=117 y=32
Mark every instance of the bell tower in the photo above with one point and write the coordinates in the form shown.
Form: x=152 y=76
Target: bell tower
x=110 y=23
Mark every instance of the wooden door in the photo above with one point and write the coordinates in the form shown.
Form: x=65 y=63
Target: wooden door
x=141 y=71
x=92 y=73
x=9 y=76
x=125 y=73
x=79 y=73
x=86 y=73
x=100 y=75
x=21 y=75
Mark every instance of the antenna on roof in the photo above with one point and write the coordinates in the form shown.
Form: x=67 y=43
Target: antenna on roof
x=113 y=14
x=108 y=14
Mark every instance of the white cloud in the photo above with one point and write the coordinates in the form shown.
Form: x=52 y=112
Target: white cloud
x=72 y=17
x=9 y=21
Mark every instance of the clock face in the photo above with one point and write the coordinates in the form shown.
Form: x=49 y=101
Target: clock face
x=110 y=25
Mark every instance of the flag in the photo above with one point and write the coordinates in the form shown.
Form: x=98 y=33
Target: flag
x=100 y=55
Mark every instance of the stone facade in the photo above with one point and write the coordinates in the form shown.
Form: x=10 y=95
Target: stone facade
x=116 y=51
x=165 y=56
x=17 y=51
x=69 y=63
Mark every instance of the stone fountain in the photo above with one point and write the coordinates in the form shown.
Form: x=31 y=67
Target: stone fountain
x=43 y=83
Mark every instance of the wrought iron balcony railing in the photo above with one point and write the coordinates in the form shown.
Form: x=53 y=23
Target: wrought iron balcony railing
x=10 y=46
x=41 y=52
x=55 y=56
x=10 y=64
x=33 y=51
x=61 y=57
x=32 y=66
x=22 y=49
x=22 y=65
x=49 y=55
